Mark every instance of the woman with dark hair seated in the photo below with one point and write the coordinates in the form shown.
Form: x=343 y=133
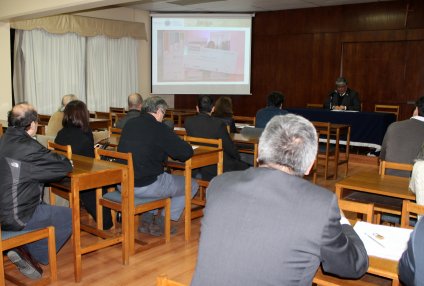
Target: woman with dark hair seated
x=224 y=111
x=77 y=133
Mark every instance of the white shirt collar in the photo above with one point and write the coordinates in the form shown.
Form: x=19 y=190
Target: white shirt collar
x=420 y=118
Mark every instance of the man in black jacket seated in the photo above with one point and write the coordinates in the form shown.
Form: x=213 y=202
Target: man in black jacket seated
x=343 y=98
x=151 y=142
x=25 y=165
x=206 y=126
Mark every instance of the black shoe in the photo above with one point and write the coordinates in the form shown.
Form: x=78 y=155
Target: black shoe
x=146 y=220
x=26 y=264
x=159 y=227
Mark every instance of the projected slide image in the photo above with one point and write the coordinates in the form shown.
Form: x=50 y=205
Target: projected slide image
x=196 y=55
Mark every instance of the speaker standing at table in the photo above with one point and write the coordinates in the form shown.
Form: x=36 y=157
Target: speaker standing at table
x=269 y=226
x=343 y=98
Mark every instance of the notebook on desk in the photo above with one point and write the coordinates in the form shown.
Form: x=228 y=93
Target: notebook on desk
x=383 y=241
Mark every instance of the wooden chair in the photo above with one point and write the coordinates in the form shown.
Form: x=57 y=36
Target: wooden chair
x=387 y=109
x=113 y=131
x=200 y=199
x=314 y=105
x=164 y=281
x=358 y=208
x=325 y=151
x=59 y=189
x=328 y=152
x=251 y=120
x=1 y=129
x=392 y=206
x=136 y=206
x=104 y=115
x=13 y=239
x=409 y=207
x=384 y=165
x=116 y=109
x=118 y=116
x=43 y=119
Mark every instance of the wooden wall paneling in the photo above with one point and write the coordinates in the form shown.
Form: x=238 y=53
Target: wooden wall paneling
x=414 y=76
x=375 y=70
x=415 y=14
x=325 y=66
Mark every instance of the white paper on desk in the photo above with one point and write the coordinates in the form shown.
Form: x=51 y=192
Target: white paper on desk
x=242 y=125
x=338 y=110
x=194 y=146
x=395 y=239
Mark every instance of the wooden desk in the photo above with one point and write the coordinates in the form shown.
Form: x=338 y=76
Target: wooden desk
x=180 y=115
x=89 y=173
x=377 y=266
x=203 y=156
x=394 y=188
x=99 y=123
x=238 y=138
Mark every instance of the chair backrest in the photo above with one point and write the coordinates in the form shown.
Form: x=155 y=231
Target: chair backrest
x=204 y=142
x=251 y=120
x=102 y=115
x=61 y=149
x=387 y=109
x=164 y=281
x=117 y=109
x=359 y=208
x=384 y=165
x=113 y=131
x=119 y=157
x=43 y=119
x=119 y=116
x=314 y=105
x=409 y=207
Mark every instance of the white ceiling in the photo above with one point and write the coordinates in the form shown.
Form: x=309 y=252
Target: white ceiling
x=236 y=5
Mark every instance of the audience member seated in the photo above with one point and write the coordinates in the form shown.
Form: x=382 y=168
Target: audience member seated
x=224 y=111
x=403 y=139
x=269 y=226
x=206 y=126
x=25 y=165
x=135 y=102
x=343 y=98
x=416 y=184
x=55 y=122
x=411 y=264
x=273 y=107
x=77 y=133
x=151 y=142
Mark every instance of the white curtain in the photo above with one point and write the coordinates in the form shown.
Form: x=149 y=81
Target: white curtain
x=112 y=71
x=54 y=66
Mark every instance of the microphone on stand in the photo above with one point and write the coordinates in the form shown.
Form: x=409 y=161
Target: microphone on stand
x=331 y=100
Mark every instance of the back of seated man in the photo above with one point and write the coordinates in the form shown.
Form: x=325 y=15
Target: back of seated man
x=269 y=226
x=411 y=264
x=135 y=102
x=403 y=139
x=206 y=126
x=273 y=107
x=25 y=165
x=151 y=142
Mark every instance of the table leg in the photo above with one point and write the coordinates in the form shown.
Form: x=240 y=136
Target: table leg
x=126 y=221
x=187 y=180
x=76 y=230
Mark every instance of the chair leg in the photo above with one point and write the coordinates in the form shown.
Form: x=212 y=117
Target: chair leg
x=52 y=254
x=1 y=267
x=131 y=231
x=168 y=220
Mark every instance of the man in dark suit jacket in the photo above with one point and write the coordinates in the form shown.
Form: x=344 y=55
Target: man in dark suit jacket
x=411 y=264
x=206 y=126
x=343 y=98
x=269 y=226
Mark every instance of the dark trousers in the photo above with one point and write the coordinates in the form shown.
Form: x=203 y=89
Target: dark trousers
x=88 y=199
x=47 y=215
